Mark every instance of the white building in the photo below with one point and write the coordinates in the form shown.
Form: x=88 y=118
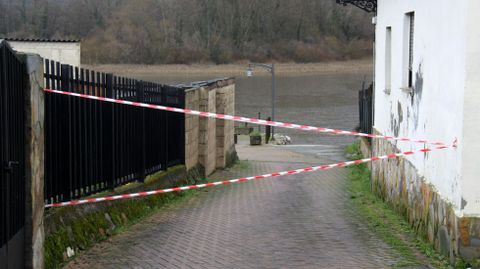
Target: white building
x=427 y=86
x=63 y=51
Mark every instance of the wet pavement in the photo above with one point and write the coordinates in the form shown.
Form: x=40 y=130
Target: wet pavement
x=300 y=221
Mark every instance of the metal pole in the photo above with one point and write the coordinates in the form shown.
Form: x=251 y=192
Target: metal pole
x=273 y=100
x=259 y=117
x=271 y=69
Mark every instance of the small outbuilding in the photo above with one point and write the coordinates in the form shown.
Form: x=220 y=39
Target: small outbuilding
x=64 y=51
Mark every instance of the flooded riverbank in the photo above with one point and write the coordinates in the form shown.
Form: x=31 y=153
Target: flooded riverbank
x=324 y=94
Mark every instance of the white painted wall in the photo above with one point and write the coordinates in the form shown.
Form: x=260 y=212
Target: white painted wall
x=64 y=52
x=446 y=99
x=471 y=112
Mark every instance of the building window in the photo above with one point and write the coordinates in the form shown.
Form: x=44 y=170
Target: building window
x=409 y=45
x=388 y=60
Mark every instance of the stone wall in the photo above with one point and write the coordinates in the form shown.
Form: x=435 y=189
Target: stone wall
x=366 y=149
x=34 y=162
x=192 y=101
x=398 y=182
x=71 y=229
x=210 y=142
x=225 y=129
x=207 y=131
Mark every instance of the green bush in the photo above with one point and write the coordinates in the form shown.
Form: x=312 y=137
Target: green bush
x=255 y=133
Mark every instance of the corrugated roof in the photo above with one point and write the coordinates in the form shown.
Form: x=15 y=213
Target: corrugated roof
x=205 y=83
x=41 y=40
x=196 y=84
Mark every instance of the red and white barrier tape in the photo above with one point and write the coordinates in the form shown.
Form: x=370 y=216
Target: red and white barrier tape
x=242 y=179
x=244 y=119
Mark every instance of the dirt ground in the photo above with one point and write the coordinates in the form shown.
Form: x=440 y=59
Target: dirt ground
x=320 y=94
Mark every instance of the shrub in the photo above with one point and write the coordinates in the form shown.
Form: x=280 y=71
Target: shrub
x=255 y=133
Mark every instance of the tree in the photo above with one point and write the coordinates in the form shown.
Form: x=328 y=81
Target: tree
x=183 y=31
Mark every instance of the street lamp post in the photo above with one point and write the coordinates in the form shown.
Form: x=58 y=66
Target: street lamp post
x=270 y=68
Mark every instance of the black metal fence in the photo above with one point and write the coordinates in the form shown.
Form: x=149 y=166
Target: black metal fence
x=93 y=146
x=365 y=99
x=12 y=158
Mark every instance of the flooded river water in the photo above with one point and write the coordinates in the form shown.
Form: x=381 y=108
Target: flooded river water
x=319 y=94
x=324 y=100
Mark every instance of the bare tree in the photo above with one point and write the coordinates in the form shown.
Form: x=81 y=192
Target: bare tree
x=183 y=31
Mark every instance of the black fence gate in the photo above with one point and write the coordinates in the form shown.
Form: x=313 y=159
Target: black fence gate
x=12 y=158
x=365 y=105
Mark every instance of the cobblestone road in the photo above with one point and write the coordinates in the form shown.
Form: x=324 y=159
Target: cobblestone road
x=301 y=221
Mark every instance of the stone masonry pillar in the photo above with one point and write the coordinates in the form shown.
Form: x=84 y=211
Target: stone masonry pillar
x=34 y=163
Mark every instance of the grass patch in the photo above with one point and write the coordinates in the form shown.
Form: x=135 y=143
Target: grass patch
x=392 y=228
x=241 y=165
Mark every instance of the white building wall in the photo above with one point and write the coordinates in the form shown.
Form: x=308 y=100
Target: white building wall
x=436 y=109
x=471 y=134
x=64 y=52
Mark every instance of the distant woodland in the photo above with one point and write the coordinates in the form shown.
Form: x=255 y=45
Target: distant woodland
x=192 y=31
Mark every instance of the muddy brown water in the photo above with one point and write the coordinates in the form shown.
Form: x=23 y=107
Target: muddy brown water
x=324 y=100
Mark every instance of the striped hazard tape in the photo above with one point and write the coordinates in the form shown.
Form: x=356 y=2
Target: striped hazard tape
x=242 y=179
x=245 y=119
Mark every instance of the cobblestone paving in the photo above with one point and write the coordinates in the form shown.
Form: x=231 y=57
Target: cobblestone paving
x=301 y=221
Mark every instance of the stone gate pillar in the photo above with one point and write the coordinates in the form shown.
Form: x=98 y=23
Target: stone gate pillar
x=34 y=161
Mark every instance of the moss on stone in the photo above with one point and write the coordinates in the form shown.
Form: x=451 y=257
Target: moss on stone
x=81 y=227
x=57 y=241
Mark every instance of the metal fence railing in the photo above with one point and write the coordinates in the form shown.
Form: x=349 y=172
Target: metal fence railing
x=365 y=100
x=93 y=146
